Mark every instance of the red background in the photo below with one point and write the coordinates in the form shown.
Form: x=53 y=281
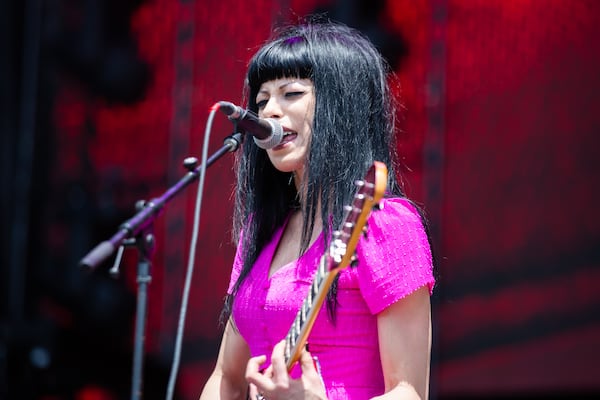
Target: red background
x=498 y=138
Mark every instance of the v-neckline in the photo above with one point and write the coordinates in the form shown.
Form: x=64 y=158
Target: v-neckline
x=276 y=242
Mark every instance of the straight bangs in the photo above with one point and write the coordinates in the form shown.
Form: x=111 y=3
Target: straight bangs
x=286 y=58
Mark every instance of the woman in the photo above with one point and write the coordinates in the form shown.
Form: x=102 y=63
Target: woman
x=327 y=86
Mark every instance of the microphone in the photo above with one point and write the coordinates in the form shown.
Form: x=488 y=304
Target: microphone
x=267 y=132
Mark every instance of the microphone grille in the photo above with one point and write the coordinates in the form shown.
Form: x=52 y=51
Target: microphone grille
x=274 y=139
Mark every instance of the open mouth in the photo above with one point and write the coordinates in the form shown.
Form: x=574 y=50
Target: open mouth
x=288 y=137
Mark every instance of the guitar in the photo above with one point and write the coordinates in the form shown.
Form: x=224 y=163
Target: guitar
x=340 y=255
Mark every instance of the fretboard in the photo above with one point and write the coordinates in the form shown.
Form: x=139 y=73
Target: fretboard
x=300 y=329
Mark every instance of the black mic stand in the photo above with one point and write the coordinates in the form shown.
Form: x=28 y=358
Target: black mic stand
x=138 y=231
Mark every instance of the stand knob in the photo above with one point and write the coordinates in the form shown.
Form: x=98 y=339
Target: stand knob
x=190 y=163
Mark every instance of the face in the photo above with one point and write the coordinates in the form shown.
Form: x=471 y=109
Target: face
x=291 y=102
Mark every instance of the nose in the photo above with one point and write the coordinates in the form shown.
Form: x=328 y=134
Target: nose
x=271 y=109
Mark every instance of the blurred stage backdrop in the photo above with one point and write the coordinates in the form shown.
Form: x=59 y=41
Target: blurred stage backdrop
x=102 y=101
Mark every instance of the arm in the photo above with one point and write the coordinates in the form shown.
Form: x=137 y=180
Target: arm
x=405 y=346
x=227 y=380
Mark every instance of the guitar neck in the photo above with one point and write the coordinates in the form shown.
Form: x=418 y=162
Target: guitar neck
x=339 y=256
x=303 y=323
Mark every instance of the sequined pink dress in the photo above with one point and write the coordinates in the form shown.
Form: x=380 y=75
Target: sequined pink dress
x=394 y=260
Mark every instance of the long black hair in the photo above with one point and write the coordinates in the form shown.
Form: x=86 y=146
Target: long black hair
x=354 y=125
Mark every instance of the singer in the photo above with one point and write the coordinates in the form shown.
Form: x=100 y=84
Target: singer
x=328 y=88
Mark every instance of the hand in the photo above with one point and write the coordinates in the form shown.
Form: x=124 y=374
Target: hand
x=276 y=384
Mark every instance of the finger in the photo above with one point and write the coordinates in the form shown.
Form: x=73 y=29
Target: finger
x=255 y=393
x=252 y=392
x=280 y=373
x=311 y=370
x=255 y=377
x=253 y=366
x=308 y=363
x=268 y=372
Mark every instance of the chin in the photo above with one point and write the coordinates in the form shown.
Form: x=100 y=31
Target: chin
x=286 y=167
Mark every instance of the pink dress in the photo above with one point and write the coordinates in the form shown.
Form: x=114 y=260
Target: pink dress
x=393 y=261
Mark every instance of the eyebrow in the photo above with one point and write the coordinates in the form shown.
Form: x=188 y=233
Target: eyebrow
x=287 y=83
x=283 y=85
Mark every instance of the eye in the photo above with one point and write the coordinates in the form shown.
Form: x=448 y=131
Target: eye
x=261 y=104
x=293 y=94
